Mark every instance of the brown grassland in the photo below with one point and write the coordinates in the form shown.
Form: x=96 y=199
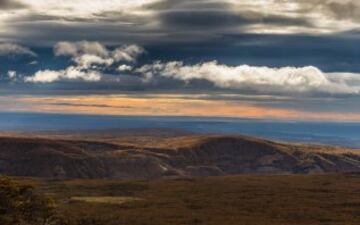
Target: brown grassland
x=232 y=200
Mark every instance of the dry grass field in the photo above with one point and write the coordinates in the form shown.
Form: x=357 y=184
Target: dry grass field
x=233 y=200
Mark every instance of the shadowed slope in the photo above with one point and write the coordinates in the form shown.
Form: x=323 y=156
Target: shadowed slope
x=195 y=155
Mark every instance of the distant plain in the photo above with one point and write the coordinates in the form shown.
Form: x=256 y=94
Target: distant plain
x=328 y=133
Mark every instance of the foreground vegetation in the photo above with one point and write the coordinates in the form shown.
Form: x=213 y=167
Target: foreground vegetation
x=246 y=199
x=21 y=205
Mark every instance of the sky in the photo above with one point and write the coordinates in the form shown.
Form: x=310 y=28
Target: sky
x=266 y=59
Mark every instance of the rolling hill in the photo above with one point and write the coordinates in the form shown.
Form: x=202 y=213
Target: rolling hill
x=172 y=156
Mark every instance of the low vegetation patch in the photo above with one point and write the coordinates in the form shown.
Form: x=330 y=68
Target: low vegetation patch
x=20 y=204
x=233 y=200
x=106 y=199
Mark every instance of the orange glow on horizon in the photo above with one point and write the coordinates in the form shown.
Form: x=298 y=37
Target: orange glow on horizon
x=164 y=105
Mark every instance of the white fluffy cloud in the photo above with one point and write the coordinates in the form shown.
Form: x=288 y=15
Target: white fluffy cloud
x=71 y=73
x=127 y=53
x=86 y=53
x=124 y=68
x=289 y=80
x=14 y=49
x=87 y=61
x=75 y=49
x=11 y=74
x=45 y=76
x=90 y=58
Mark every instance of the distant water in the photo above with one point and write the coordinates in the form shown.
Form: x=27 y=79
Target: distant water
x=341 y=134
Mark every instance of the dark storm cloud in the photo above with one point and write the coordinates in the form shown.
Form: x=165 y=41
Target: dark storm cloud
x=211 y=19
x=338 y=9
x=173 y=21
x=47 y=33
x=11 y=4
x=186 y=4
x=212 y=15
x=345 y=11
x=327 y=52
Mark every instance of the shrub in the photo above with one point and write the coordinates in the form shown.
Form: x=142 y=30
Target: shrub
x=21 y=205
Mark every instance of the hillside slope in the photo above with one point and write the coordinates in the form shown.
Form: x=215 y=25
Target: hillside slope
x=191 y=155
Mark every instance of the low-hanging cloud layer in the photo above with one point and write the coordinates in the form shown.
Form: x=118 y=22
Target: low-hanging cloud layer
x=285 y=80
x=90 y=60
